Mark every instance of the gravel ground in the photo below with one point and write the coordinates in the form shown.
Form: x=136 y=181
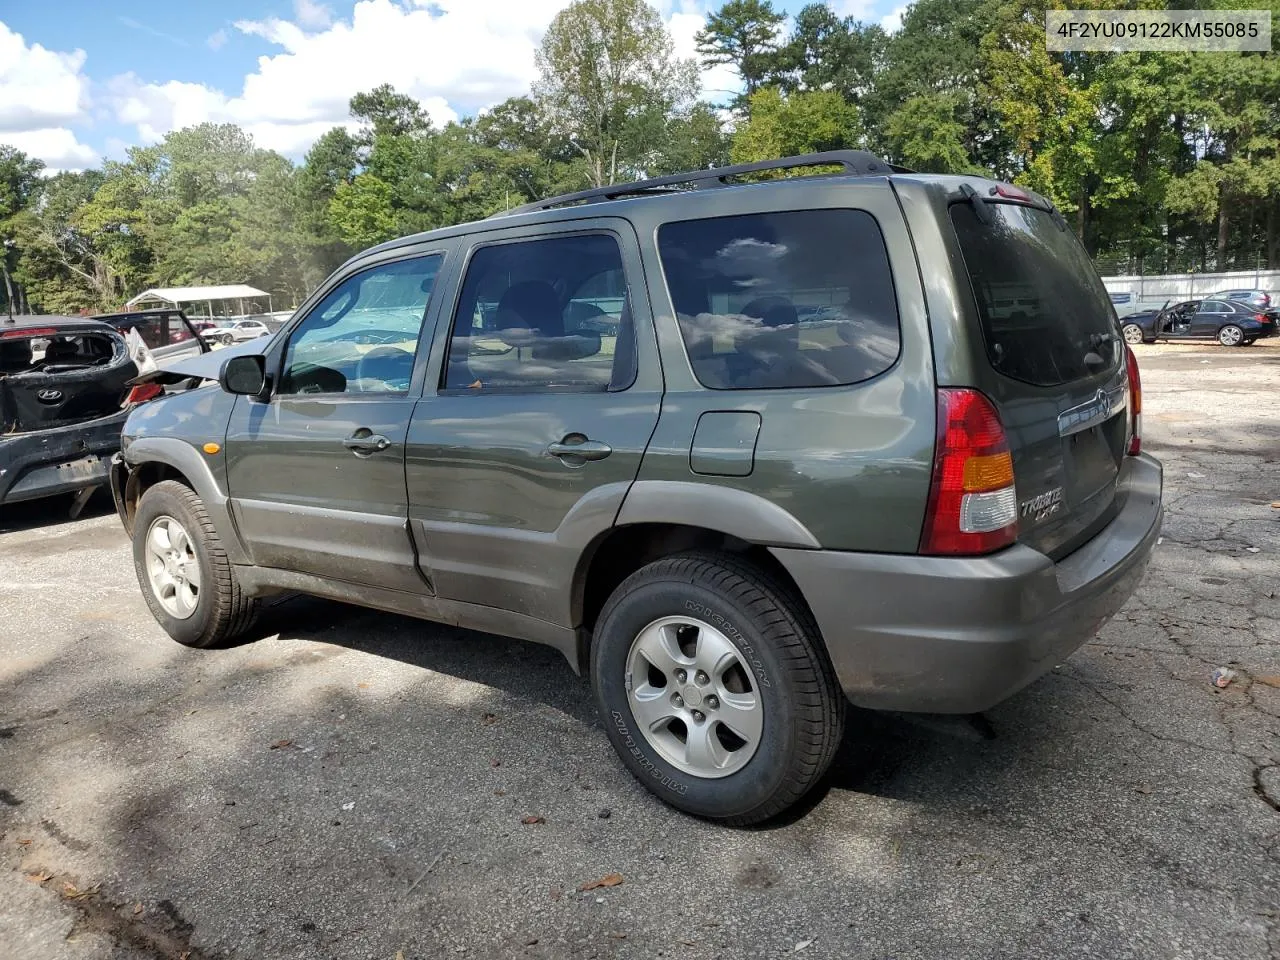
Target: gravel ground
x=353 y=785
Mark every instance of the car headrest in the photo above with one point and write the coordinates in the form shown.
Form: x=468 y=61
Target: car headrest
x=532 y=305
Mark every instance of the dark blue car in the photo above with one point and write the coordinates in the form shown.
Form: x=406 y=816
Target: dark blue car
x=1231 y=322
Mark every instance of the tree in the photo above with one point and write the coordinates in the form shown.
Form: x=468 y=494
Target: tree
x=19 y=177
x=744 y=35
x=605 y=66
x=925 y=135
x=825 y=52
x=388 y=113
x=809 y=122
x=361 y=211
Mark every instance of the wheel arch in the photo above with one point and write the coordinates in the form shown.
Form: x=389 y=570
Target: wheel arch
x=154 y=459
x=622 y=550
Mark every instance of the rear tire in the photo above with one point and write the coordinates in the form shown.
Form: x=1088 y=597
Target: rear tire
x=1132 y=333
x=743 y=643
x=1231 y=336
x=171 y=524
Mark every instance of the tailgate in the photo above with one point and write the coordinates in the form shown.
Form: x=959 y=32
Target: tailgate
x=1051 y=338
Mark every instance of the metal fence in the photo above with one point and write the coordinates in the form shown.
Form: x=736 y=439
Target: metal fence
x=1141 y=293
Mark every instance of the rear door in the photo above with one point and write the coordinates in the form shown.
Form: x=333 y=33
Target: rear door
x=524 y=449
x=1058 y=361
x=1210 y=315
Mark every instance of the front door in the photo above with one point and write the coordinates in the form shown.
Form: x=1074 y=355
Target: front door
x=549 y=392
x=316 y=474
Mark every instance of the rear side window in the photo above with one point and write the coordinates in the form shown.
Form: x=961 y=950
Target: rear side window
x=795 y=299
x=1046 y=317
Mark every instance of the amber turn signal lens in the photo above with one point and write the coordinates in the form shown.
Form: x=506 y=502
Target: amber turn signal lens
x=211 y=448
x=988 y=473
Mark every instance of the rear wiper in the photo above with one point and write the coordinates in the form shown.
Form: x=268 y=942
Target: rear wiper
x=978 y=202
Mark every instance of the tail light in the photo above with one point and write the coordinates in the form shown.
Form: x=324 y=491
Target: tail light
x=973 y=506
x=1135 y=402
x=1262 y=318
x=142 y=393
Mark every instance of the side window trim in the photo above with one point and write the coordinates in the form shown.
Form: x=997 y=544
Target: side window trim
x=477 y=243
x=279 y=352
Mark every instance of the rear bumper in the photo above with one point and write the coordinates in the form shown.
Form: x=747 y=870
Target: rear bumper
x=44 y=463
x=943 y=635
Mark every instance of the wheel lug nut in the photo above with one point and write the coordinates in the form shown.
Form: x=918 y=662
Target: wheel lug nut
x=698 y=716
x=681 y=676
x=677 y=700
x=713 y=703
x=701 y=679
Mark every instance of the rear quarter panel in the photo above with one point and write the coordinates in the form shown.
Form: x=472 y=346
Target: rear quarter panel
x=851 y=464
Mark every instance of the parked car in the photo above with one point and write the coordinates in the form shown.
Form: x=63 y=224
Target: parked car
x=1254 y=298
x=734 y=521
x=225 y=332
x=168 y=334
x=1232 y=323
x=64 y=395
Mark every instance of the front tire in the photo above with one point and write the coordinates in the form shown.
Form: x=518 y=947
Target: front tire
x=1231 y=336
x=714 y=688
x=186 y=579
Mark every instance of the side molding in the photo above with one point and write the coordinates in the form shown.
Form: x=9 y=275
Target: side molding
x=726 y=509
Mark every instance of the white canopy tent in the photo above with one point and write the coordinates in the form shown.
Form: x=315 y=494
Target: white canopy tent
x=178 y=296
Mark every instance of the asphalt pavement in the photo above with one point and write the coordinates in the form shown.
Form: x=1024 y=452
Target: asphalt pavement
x=357 y=785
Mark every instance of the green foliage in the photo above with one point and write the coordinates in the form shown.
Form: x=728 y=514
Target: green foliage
x=744 y=35
x=782 y=126
x=608 y=77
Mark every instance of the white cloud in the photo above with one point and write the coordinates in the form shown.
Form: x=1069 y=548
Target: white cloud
x=43 y=92
x=217 y=39
x=858 y=9
x=56 y=146
x=892 y=21
x=720 y=82
x=312 y=15
x=39 y=87
x=455 y=56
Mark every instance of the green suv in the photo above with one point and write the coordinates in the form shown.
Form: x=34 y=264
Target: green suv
x=743 y=447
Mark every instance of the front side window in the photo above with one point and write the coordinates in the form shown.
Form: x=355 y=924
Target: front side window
x=363 y=336
x=795 y=299
x=539 y=315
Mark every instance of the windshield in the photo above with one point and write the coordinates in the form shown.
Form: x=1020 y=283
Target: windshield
x=1046 y=317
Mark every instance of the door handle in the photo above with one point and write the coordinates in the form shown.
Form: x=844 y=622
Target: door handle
x=363 y=444
x=578 y=452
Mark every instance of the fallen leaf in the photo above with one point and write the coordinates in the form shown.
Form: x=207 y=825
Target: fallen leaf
x=71 y=892
x=531 y=820
x=489 y=719
x=362 y=685
x=803 y=945
x=1271 y=680
x=281 y=744
x=556 y=893
x=24 y=843
x=1275 y=504
x=1253 y=549
x=531 y=942
x=1142 y=788
x=137 y=909
x=499 y=792
x=608 y=880
x=399 y=955
x=687 y=943
x=41 y=877
x=495 y=763
x=617 y=936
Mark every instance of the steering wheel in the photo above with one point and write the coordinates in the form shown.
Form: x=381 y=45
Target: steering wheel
x=386 y=364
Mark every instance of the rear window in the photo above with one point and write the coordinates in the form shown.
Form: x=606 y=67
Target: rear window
x=1046 y=317
x=795 y=299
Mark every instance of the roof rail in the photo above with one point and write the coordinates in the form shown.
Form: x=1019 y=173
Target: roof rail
x=852 y=162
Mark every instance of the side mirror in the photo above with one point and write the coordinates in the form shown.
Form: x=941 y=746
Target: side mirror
x=244 y=375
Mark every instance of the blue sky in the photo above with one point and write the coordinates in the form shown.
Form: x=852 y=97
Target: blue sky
x=80 y=80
